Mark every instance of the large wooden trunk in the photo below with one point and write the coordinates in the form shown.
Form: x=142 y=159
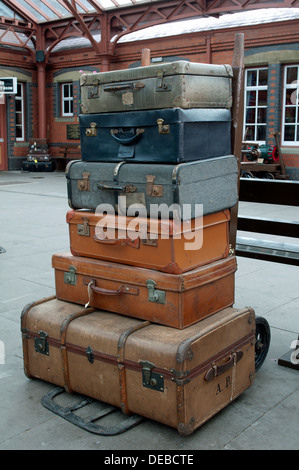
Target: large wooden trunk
x=156 y=190
x=180 y=84
x=156 y=136
x=180 y=378
x=176 y=300
x=165 y=245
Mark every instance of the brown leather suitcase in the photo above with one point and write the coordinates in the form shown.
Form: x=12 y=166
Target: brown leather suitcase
x=176 y=300
x=180 y=378
x=165 y=245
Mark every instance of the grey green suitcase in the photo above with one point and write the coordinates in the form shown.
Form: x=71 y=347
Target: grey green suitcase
x=180 y=84
x=156 y=136
x=154 y=190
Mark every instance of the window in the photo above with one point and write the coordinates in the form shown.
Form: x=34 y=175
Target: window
x=255 y=106
x=67 y=99
x=19 y=102
x=290 y=128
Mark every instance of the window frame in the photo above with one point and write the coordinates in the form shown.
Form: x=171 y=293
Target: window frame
x=21 y=99
x=256 y=88
x=67 y=99
x=295 y=87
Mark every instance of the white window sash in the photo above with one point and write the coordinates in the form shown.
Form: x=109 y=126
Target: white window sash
x=255 y=88
x=66 y=99
x=21 y=126
x=295 y=87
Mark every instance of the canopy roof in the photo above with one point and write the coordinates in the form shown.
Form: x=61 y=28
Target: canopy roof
x=40 y=11
x=40 y=25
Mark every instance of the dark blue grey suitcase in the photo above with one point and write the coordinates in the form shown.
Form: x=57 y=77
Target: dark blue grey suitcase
x=156 y=136
x=153 y=189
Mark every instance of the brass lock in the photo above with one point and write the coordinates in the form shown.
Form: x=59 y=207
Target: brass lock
x=91 y=131
x=162 y=128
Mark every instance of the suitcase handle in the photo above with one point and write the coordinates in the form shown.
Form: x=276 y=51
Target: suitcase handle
x=215 y=371
x=100 y=290
x=128 y=140
x=123 y=86
x=118 y=241
x=128 y=188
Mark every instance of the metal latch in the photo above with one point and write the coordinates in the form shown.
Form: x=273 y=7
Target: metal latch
x=162 y=128
x=70 y=277
x=91 y=131
x=93 y=92
x=150 y=379
x=83 y=229
x=89 y=354
x=84 y=184
x=41 y=344
x=163 y=84
x=154 y=190
x=154 y=295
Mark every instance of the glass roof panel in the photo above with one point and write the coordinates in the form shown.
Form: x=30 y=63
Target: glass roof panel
x=57 y=6
x=7 y=12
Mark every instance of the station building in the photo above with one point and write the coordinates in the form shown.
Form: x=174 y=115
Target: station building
x=45 y=103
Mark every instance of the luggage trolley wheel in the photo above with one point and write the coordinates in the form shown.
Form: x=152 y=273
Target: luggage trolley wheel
x=262 y=340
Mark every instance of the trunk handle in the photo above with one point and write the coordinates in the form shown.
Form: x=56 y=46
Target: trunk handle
x=215 y=370
x=123 y=289
x=127 y=140
x=123 y=86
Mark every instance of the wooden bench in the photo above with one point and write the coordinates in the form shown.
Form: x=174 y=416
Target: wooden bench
x=66 y=154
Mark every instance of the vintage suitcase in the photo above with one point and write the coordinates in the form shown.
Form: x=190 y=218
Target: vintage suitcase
x=176 y=300
x=123 y=187
x=39 y=165
x=180 y=378
x=165 y=245
x=180 y=84
x=156 y=136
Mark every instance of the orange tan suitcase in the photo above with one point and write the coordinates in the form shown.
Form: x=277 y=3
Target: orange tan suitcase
x=180 y=378
x=166 y=245
x=176 y=300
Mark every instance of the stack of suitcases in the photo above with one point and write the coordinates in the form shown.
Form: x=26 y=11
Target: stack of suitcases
x=143 y=316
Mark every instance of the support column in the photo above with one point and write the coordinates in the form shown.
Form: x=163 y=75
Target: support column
x=105 y=63
x=42 y=108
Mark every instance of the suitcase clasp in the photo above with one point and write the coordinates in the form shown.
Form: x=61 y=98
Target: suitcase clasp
x=150 y=379
x=70 y=277
x=162 y=128
x=41 y=344
x=84 y=185
x=154 y=295
x=163 y=84
x=91 y=131
x=89 y=354
x=83 y=229
x=154 y=190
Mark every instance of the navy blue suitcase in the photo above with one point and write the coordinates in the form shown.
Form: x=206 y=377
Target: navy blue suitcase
x=156 y=136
